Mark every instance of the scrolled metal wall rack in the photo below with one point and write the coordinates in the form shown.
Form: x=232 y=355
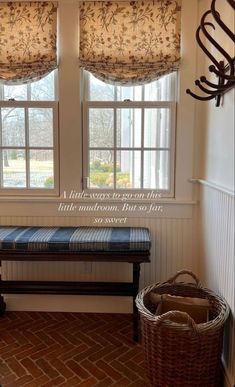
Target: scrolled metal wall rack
x=224 y=72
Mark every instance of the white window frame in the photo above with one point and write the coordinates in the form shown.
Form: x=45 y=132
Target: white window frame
x=86 y=105
x=27 y=104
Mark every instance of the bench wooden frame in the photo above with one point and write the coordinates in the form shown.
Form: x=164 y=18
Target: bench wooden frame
x=134 y=257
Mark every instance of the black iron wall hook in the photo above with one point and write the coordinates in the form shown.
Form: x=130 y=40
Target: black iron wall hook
x=224 y=73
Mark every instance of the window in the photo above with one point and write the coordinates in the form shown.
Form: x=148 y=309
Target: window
x=129 y=135
x=28 y=137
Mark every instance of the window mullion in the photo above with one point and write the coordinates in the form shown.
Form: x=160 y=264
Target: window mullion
x=28 y=92
x=86 y=147
x=115 y=93
x=142 y=150
x=27 y=153
x=143 y=93
x=115 y=149
x=56 y=92
x=1 y=154
x=1 y=92
x=0 y=127
x=118 y=148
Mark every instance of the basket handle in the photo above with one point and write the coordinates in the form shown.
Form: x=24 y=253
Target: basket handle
x=176 y=313
x=181 y=272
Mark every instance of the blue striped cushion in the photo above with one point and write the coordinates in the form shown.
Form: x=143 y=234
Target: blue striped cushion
x=74 y=238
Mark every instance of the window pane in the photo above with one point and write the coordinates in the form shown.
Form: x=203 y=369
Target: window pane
x=18 y=92
x=41 y=169
x=129 y=128
x=41 y=127
x=132 y=93
x=157 y=128
x=128 y=169
x=101 y=128
x=14 y=168
x=100 y=91
x=137 y=137
x=13 y=126
x=44 y=89
x=101 y=169
x=156 y=170
x=161 y=90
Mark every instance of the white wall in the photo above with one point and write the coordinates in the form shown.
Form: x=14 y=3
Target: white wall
x=217 y=127
x=217 y=266
x=214 y=156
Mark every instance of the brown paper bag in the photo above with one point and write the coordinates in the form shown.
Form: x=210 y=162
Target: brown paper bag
x=197 y=308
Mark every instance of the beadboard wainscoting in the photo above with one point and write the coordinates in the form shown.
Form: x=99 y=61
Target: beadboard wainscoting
x=217 y=266
x=171 y=250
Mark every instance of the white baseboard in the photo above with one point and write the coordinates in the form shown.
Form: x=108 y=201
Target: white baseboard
x=55 y=303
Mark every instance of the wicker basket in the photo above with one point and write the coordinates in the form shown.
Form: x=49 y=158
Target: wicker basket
x=182 y=355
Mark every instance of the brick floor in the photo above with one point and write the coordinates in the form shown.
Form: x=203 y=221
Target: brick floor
x=69 y=349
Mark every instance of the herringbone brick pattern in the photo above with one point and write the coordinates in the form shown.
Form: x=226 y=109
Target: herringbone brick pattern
x=69 y=349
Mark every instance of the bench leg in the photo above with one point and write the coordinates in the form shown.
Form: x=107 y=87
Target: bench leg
x=2 y=303
x=2 y=306
x=136 y=276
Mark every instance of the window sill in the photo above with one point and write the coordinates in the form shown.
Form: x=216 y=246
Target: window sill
x=58 y=200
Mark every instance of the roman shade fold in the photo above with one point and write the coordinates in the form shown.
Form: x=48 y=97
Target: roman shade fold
x=130 y=42
x=27 y=40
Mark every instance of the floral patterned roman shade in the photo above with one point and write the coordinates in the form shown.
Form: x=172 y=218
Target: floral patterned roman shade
x=27 y=40
x=130 y=42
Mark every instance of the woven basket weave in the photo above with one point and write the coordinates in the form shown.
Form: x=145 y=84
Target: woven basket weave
x=182 y=355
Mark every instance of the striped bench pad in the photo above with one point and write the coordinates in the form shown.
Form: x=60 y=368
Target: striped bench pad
x=74 y=238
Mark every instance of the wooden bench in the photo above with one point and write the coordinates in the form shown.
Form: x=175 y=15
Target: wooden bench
x=93 y=244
